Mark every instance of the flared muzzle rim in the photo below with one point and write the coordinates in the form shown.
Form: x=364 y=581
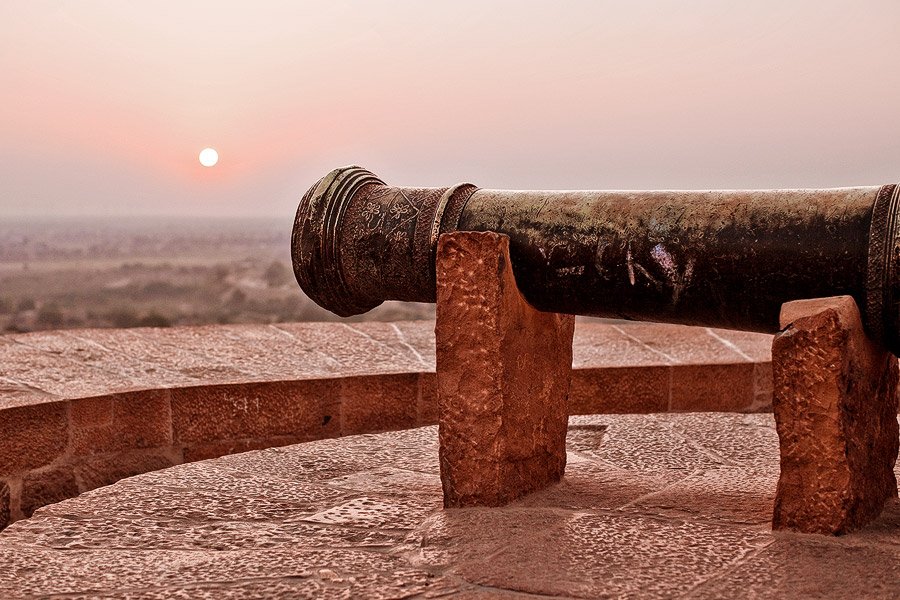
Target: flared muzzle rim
x=882 y=310
x=315 y=241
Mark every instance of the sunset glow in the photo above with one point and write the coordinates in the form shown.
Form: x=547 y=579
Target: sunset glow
x=116 y=99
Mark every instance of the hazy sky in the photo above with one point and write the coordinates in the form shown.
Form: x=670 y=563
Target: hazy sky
x=104 y=105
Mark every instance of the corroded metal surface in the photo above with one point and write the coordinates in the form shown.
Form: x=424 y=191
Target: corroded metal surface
x=716 y=258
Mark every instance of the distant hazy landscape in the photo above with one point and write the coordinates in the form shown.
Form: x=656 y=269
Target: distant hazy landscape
x=59 y=274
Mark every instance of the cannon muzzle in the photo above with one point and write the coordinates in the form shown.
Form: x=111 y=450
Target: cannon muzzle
x=713 y=258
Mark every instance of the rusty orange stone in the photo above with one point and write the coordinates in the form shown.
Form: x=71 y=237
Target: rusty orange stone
x=835 y=402
x=503 y=373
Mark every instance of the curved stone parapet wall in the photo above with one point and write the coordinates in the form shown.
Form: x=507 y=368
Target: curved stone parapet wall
x=82 y=409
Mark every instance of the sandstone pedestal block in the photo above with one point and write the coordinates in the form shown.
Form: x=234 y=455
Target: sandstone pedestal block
x=835 y=402
x=503 y=373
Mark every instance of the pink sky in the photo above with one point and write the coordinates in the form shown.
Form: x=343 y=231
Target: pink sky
x=104 y=105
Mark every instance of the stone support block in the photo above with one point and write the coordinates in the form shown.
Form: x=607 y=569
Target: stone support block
x=503 y=374
x=835 y=403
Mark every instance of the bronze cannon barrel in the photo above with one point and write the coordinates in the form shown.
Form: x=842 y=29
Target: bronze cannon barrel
x=714 y=258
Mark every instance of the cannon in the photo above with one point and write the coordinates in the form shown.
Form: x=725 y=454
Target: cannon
x=725 y=259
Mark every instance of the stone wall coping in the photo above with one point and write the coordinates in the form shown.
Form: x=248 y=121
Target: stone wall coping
x=42 y=367
x=81 y=409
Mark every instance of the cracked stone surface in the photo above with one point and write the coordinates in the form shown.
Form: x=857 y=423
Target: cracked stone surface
x=655 y=506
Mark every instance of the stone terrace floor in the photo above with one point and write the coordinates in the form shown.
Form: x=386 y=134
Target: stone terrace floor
x=656 y=506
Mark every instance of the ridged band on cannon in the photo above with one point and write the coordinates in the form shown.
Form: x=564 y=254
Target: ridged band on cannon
x=357 y=242
x=882 y=297
x=713 y=258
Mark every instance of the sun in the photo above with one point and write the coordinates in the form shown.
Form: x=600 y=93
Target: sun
x=209 y=157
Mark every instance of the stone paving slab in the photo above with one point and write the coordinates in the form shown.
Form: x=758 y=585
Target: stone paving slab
x=652 y=506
